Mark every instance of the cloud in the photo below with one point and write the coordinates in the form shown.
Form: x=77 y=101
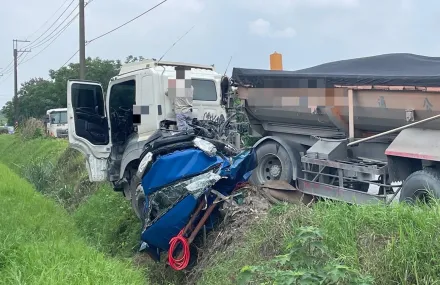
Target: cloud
x=263 y=28
x=259 y=27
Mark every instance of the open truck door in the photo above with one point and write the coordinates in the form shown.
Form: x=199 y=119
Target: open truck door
x=89 y=126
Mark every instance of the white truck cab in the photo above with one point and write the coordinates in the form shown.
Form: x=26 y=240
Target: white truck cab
x=102 y=126
x=56 y=125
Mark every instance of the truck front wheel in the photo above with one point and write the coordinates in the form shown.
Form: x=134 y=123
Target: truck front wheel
x=273 y=164
x=422 y=185
x=138 y=199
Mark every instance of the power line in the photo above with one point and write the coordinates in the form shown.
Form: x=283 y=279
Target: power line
x=23 y=58
x=48 y=38
x=117 y=28
x=53 y=40
x=6 y=78
x=70 y=58
x=8 y=65
x=10 y=69
x=47 y=20
x=98 y=37
x=65 y=10
x=57 y=35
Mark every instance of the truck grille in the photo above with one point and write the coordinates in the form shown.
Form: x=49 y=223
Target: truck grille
x=62 y=133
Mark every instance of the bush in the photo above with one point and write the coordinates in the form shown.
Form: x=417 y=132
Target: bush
x=308 y=261
x=4 y=131
x=31 y=129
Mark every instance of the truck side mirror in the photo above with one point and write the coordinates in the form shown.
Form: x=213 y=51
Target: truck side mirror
x=224 y=86
x=46 y=119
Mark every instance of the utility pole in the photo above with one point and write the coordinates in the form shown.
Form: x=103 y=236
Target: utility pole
x=82 y=42
x=16 y=52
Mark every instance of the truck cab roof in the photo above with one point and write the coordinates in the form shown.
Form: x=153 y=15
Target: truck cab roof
x=56 y=110
x=130 y=69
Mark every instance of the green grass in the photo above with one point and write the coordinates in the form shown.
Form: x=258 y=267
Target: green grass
x=103 y=217
x=395 y=245
x=16 y=153
x=40 y=245
x=114 y=228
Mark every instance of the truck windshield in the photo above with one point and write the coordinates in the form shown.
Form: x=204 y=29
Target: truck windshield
x=204 y=90
x=58 y=117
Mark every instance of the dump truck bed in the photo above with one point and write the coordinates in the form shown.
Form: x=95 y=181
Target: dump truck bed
x=388 y=91
x=388 y=69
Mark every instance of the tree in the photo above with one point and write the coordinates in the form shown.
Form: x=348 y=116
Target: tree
x=96 y=70
x=38 y=95
x=3 y=119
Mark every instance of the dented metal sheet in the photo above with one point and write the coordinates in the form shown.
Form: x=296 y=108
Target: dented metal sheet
x=416 y=143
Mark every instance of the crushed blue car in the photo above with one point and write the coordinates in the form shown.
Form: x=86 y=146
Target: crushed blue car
x=184 y=178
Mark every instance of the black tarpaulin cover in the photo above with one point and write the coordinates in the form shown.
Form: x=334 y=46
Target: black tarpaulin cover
x=399 y=69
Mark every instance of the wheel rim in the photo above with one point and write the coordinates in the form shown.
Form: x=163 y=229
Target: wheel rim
x=422 y=196
x=140 y=201
x=270 y=168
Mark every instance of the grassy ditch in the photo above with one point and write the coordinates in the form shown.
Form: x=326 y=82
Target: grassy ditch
x=40 y=245
x=102 y=216
x=398 y=244
x=387 y=245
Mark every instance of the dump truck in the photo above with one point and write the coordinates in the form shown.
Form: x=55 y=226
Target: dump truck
x=361 y=130
x=112 y=136
x=56 y=123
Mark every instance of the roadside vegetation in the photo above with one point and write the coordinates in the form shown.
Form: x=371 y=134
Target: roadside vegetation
x=332 y=243
x=385 y=245
x=39 y=243
x=102 y=217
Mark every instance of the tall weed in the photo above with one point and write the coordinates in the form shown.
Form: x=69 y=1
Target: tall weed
x=32 y=129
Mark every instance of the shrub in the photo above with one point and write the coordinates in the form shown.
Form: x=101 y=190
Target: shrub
x=31 y=129
x=308 y=261
x=4 y=131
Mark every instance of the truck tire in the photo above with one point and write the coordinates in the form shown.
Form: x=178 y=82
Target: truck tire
x=421 y=185
x=137 y=197
x=273 y=164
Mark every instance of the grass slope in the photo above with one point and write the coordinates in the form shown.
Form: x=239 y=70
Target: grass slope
x=396 y=244
x=16 y=153
x=102 y=216
x=39 y=243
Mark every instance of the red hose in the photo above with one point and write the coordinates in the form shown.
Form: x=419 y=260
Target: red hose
x=182 y=262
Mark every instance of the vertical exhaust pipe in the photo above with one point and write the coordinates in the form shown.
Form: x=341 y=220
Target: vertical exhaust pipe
x=276 y=61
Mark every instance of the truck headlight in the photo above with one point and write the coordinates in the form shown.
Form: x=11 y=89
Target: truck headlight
x=144 y=162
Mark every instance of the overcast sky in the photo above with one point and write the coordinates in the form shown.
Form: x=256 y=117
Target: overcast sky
x=306 y=32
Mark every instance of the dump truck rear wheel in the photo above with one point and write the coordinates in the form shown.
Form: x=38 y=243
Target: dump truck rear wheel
x=273 y=164
x=422 y=185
